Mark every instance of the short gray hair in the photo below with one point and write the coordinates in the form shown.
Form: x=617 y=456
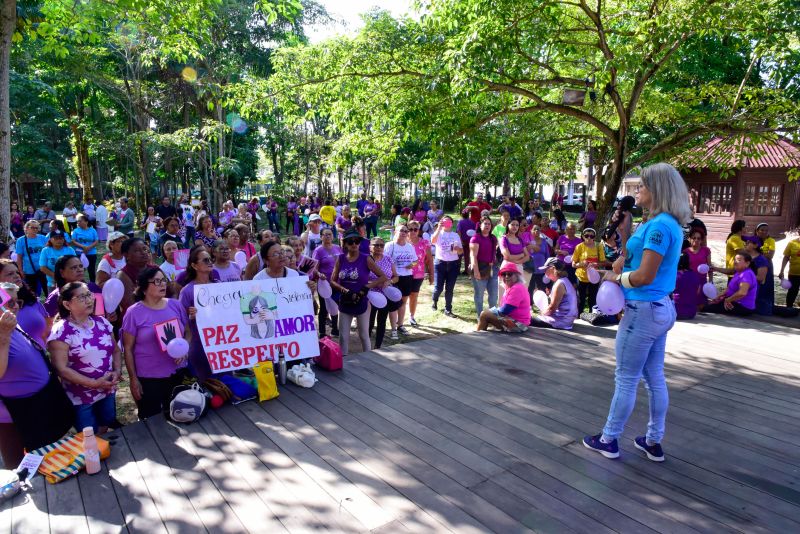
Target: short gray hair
x=669 y=192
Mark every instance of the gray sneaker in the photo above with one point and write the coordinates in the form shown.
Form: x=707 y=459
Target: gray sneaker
x=403 y=330
x=394 y=335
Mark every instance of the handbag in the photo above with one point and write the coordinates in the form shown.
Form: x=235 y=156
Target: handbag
x=330 y=355
x=265 y=378
x=485 y=269
x=351 y=298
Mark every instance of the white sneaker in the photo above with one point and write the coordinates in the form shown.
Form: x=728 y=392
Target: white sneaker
x=394 y=335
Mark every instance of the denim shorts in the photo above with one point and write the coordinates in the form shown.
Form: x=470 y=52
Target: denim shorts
x=100 y=413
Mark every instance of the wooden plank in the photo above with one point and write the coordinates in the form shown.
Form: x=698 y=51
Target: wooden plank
x=525 y=449
x=29 y=511
x=298 y=487
x=103 y=512
x=264 y=486
x=175 y=508
x=706 y=474
x=138 y=509
x=212 y=503
x=65 y=507
x=5 y=515
x=351 y=467
x=364 y=509
x=389 y=463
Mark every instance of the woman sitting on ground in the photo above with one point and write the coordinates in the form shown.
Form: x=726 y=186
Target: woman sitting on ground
x=563 y=308
x=688 y=289
x=740 y=297
x=514 y=313
x=698 y=253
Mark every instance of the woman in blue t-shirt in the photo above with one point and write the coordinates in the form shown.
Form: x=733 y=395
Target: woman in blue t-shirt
x=84 y=240
x=647 y=271
x=28 y=248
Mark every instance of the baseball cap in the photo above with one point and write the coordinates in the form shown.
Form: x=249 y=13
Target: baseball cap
x=553 y=262
x=113 y=236
x=314 y=217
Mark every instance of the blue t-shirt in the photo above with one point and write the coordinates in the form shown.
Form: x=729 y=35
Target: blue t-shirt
x=663 y=235
x=49 y=256
x=85 y=237
x=34 y=248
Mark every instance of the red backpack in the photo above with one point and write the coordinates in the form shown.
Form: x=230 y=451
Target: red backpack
x=330 y=355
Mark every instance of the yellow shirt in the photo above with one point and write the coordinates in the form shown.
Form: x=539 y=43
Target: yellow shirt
x=591 y=255
x=733 y=244
x=768 y=246
x=792 y=251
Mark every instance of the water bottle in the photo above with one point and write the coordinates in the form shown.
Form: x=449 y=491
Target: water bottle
x=90 y=451
x=282 y=367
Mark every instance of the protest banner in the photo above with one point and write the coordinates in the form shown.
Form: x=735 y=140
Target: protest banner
x=244 y=323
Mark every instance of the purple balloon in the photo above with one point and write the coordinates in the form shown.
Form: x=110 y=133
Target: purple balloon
x=178 y=348
x=377 y=299
x=702 y=268
x=610 y=298
x=324 y=289
x=241 y=259
x=710 y=290
x=392 y=293
x=331 y=306
x=113 y=290
x=785 y=283
x=593 y=275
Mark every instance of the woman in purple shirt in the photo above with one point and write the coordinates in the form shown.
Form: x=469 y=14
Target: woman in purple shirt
x=199 y=271
x=740 y=297
x=565 y=246
x=86 y=355
x=350 y=278
x=32 y=317
x=148 y=326
x=325 y=255
x=68 y=269
x=482 y=247
x=371 y=217
x=37 y=411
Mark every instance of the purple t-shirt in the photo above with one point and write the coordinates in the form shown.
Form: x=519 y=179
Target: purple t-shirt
x=197 y=355
x=326 y=259
x=231 y=273
x=26 y=372
x=354 y=276
x=32 y=319
x=566 y=313
x=140 y=321
x=568 y=245
x=687 y=293
x=181 y=278
x=463 y=226
x=513 y=248
x=486 y=246
x=370 y=209
x=90 y=354
x=344 y=223
x=747 y=276
x=363 y=247
x=51 y=303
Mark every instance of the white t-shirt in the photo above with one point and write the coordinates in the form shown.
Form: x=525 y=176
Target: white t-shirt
x=402 y=256
x=101 y=216
x=263 y=275
x=188 y=214
x=106 y=267
x=169 y=270
x=446 y=246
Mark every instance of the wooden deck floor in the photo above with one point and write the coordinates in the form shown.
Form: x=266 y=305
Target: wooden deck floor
x=466 y=433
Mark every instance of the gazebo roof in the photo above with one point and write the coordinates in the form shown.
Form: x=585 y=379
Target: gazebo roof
x=734 y=152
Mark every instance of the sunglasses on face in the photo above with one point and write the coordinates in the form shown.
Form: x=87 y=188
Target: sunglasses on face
x=506 y=274
x=377 y=245
x=351 y=242
x=412 y=229
x=207 y=261
x=403 y=231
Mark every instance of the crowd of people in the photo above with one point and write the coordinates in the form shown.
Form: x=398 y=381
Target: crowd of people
x=509 y=251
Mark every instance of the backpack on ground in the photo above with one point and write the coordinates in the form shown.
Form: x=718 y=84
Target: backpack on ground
x=188 y=403
x=330 y=355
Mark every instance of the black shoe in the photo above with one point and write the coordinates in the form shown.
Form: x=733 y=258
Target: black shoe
x=653 y=452
x=434 y=307
x=448 y=313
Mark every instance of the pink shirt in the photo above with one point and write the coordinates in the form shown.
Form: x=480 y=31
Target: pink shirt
x=517 y=295
x=696 y=259
x=421 y=248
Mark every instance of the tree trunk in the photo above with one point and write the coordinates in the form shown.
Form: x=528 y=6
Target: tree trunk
x=8 y=20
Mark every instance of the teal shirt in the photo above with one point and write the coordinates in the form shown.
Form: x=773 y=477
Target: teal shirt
x=661 y=234
x=49 y=257
x=29 y=248
x=85 y=237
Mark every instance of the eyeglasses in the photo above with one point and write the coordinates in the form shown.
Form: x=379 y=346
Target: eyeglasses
x=87 y=298
x=377 y=245
x=351 y=242
x=506 y=274
x=207 y=261
x=589 y=236
x=163 y=281
x=412 y=229
x=403 y=231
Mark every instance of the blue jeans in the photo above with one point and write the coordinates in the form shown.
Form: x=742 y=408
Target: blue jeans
x=101 y=413
x=274 y=223
x=641 y=338
x=189 y=242
x=489 y=285
x=446 y=276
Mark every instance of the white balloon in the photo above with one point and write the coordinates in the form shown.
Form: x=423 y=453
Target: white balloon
x=377 y=299
x=113 y=290
x=241 y=259
x=470 y=233
x=332 y=307
x=14 y=256
x=324 y=289
x=84 y=261
x=265 y=207
x=568 y=259
x=540 y=300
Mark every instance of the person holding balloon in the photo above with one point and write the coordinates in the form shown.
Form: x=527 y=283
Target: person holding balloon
x=382 y=308
x=561 y=310
x=514 y=313
x=446 y=263
x=156 y=338
x=422 y=265
x=350 y=278
x=325 y=255
x=112 y=261
x=688 y=294
x=740 y=297
x=199 y=271
x=565 y=246
x=586 y=257
x=404 y=256
x=85 y=354
x=647 y=272
x=698 y=253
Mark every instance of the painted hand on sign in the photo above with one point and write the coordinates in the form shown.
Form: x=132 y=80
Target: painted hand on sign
x=169 y=334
